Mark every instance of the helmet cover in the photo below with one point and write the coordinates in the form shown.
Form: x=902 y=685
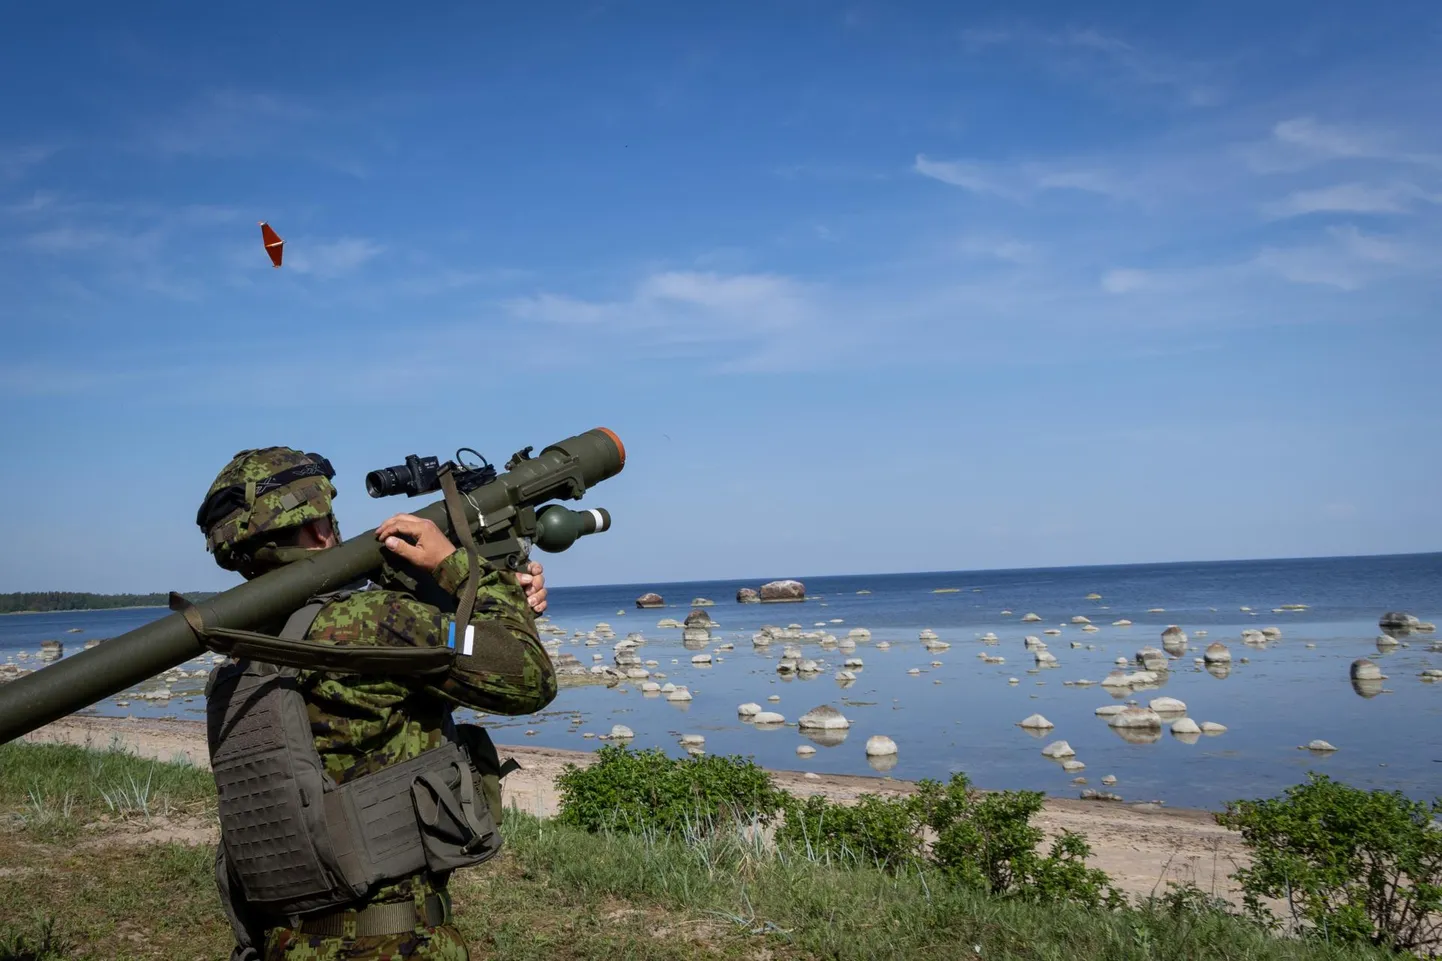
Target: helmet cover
x=261 y=492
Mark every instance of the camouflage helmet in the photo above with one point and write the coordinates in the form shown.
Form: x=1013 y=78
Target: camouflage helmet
x=261 y=492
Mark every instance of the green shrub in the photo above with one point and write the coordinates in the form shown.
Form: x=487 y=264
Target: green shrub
x=638 y=791
x=988 y=841
x=1354 y=865
x=885 y=832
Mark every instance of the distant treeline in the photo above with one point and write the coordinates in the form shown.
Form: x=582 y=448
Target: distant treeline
x=73 y=601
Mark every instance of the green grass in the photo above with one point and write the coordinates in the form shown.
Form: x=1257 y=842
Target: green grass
x=555 y=893
x=793 y=907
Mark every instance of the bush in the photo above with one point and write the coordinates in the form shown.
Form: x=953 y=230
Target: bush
x=884 y=832
x=983 y=841
x=1354 y=865
x=637 y=791
x=987 y=841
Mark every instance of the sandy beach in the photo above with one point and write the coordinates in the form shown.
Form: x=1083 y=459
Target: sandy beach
x=1141 y=846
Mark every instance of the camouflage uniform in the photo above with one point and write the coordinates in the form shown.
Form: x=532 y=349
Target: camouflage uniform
x=364 y=723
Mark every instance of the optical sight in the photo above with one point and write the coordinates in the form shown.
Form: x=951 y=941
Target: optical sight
x=421 y=475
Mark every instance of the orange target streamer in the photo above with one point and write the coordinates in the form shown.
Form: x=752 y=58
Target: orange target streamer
x=273 y=244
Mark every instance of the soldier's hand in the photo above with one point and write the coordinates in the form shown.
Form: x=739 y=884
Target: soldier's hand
x=416 y=540
x=533 y=579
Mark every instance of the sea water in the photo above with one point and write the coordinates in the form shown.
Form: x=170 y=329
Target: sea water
x=962 y=714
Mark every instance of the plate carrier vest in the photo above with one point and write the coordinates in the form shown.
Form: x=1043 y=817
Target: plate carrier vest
x=296 y=841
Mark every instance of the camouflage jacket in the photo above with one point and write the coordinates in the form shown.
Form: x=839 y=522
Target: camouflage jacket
x=364 y=723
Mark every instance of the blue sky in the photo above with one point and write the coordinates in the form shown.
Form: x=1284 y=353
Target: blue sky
x=863 y=287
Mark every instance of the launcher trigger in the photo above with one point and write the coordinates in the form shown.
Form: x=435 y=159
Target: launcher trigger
x=518 y=457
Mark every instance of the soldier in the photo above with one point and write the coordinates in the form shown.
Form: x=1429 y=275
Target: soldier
x=347 y=800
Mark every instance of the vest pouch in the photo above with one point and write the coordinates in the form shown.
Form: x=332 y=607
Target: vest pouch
x=412 y=815
x=455 y=820
x=485 y=764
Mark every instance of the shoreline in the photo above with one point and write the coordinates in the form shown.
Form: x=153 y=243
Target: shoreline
x=88 y=610
x=1141 y=845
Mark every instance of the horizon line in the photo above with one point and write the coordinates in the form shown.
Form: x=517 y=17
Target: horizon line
x=803 y=577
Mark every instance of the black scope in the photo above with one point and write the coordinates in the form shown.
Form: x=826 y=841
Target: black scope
x=421 y=475
x=418 y=475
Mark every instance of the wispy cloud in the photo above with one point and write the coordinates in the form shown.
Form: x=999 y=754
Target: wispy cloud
x=1016 y=182
x=1359 y=198
x=1008 y=249
x=1110 y=63
x=1344 y=258
x=65 y=240
x=334 y=259
x=1301 y=142
x=733 y=321
x=17 y=161
x=244 y=123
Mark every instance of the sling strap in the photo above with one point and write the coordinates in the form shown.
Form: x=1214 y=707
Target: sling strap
x=457 y=513
x=291 y=650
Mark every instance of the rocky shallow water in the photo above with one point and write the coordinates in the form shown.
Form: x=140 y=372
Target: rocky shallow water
x=940 y=665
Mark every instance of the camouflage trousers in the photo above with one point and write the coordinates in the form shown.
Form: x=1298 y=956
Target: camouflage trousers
x=433 y=944
x=440 y=943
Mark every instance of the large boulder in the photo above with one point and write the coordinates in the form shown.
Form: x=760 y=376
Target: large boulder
x=747 y=595
x=1365 y=670
x=650 y=600
x=1398 y=621
x=1151 y=659
x=1217 y=653
x=1174 y=640
x=880 y=745
x=1136 y=717
x=824 y=717
x=780 y=591
x=698 y=618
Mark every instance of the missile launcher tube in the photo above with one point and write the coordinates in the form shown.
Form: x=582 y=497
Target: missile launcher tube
x=563 y=470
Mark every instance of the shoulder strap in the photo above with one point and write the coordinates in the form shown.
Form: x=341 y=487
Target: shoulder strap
x=292 y=651
x=298 y=625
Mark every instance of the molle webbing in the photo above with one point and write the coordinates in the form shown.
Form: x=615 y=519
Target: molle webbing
x=296 y=841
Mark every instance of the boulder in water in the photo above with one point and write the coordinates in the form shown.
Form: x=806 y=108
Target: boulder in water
x=650 y=600
x=1398 y=621
x=1036 y=722
x=823 y=718
x=698 y=618
x=1217 y=653
x=1152 y=659
x=782 y=591
x=879 y=745
x=1136 y=717
x=747 y=595
x=1058 y=749
x=1365 y=670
